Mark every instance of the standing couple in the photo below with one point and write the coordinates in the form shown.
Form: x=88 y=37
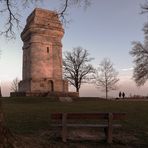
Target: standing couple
x=121 y=94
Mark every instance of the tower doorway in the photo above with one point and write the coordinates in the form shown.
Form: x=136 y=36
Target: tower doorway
x=51 y=85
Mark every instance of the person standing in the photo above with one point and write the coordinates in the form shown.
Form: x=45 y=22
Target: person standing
x=123 y=95
x=120 y=94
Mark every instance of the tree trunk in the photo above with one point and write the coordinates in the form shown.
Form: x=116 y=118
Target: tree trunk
x=106 y=91
x=77 y=90
x=0 y=93
x=106 y=94
x=6 y=138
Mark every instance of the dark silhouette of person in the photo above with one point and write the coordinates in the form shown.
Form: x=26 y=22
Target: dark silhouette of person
x=123 y=95
x=120 y=94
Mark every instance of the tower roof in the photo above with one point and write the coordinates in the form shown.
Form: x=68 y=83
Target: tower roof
x=43 y=13
x=42 y=20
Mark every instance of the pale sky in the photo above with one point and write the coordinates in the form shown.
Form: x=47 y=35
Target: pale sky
x=106 y=29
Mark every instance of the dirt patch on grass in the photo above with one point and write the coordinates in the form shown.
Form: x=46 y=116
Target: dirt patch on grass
x=77 y=139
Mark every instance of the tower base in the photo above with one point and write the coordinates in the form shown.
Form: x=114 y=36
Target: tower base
x=44 y=94
x=43 y=85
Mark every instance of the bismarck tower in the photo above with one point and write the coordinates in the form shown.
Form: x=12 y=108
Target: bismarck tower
x=42 y=55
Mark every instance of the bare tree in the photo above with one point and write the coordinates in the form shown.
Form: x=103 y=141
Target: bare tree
x=76 y=67
x=140 y=54
x=106 y=76
x=11 y=14
x=14 y=85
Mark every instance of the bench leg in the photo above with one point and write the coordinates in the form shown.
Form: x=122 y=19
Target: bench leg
x=64 y=134
x=109 y=136
x=64 y=127
x=105 y=132
x=110 y=129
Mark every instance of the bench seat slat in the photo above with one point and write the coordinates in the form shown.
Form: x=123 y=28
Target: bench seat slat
x=116 y=116
x=86 y=125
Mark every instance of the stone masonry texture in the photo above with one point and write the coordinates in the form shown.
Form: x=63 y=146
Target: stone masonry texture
x=42 y=53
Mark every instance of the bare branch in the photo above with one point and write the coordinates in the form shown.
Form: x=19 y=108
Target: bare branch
x=11 y=13
x=69 y=3
x=144 y=7
x=12 y=21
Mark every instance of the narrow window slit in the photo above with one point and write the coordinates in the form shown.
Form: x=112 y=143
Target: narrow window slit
x=47 y=49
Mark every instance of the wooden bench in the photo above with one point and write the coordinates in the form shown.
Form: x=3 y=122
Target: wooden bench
x=66 y=120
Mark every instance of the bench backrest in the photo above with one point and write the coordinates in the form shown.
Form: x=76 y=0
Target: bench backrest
x=86 y=116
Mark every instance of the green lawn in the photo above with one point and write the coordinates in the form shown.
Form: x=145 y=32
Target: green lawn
x=29 y=115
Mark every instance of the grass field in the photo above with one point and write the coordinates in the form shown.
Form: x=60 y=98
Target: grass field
x=29 y=116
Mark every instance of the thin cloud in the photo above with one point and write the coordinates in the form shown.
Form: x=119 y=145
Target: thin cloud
x=127 y=69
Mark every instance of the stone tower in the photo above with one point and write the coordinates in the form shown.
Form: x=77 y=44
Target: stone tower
x=42 y=54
